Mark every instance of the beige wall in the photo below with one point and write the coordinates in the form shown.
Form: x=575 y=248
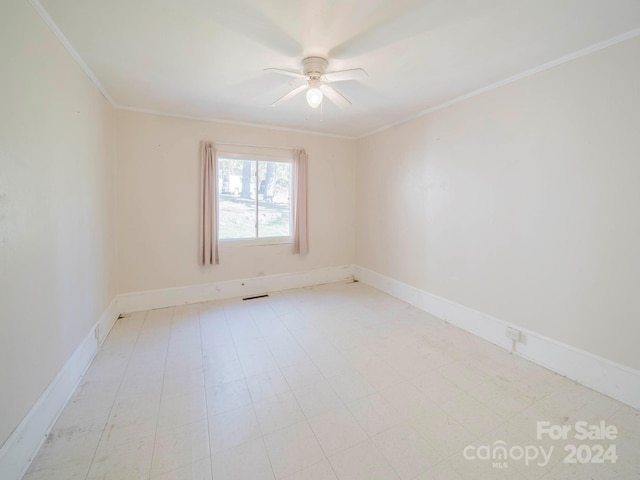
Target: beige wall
x=56 y=180
x=522 y=203
x=158 y=184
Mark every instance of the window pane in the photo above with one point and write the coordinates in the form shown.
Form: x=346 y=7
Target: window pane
x=237 y=195
x=274 y=199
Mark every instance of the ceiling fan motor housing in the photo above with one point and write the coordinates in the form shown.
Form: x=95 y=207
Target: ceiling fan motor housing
x=314 y=67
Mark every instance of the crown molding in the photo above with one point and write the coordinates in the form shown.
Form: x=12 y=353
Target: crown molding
x=85 y=68
x=527 y=73
x=233 y=122
x=546 y=66
x=72 y=51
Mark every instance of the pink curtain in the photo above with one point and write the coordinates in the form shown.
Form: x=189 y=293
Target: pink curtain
x=300 y=221
x=209 y=205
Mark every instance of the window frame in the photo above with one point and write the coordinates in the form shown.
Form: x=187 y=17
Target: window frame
x=257 y=157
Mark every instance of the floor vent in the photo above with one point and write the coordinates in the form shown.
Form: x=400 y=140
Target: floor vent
x=257 y=296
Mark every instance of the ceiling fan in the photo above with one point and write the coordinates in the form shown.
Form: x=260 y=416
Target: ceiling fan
x=317 y=81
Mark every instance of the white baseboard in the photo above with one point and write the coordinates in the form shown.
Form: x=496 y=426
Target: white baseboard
x=106 y=322
x=603 y=375
x=20 y=448
x=610 y=378
x=18 y=451
x=168 y=297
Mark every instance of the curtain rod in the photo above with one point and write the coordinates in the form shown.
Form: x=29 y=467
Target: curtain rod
x=254 y=146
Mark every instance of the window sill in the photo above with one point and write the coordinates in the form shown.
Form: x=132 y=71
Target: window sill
x=255 y=242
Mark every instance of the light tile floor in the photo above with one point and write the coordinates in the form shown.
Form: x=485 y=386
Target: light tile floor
x=333 y=382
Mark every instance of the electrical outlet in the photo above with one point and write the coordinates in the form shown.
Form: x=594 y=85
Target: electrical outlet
x=513 y=333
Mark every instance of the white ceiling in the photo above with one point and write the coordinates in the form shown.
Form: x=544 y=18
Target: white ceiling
x=205 y=58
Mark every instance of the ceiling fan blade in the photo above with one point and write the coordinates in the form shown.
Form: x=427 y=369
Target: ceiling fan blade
x=248 y=19
x=342 y=75
x=335 y=96
x=289 y=73
x=290 y=95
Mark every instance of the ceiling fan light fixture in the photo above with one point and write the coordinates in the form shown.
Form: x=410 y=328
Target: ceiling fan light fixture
x=318 y=81
x=314 y=97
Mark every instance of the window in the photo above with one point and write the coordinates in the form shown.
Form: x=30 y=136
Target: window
x=254 y=198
